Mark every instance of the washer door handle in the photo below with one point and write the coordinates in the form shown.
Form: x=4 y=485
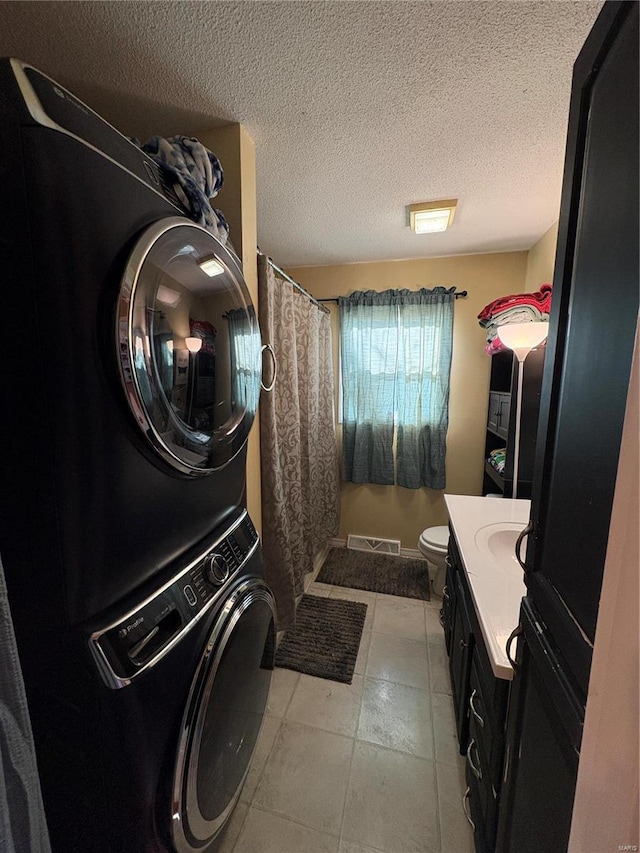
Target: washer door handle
x=268 y=348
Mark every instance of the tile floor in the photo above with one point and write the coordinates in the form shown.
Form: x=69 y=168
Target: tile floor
x=370 y=767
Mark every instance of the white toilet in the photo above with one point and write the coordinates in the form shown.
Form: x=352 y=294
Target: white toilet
x=433 y=544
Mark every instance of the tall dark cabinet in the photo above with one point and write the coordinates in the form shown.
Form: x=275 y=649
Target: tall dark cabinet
x=585 y=384
x=501 y=421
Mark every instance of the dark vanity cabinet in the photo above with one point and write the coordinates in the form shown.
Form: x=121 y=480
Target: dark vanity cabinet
x=480 y=702
x=501 y=421
x=461 y=640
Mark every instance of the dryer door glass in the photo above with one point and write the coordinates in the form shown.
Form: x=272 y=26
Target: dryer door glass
x=222 y=724
x=189 y=346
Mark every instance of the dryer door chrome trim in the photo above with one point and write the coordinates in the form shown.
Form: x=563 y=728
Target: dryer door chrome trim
x=191 y=829
x=188 y=346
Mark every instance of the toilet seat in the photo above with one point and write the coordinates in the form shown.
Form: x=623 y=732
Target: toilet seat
x=435 y=539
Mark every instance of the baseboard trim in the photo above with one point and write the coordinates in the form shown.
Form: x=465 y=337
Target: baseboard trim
x=411 y=553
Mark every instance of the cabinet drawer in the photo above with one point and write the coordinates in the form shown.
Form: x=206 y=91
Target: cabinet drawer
x=483 y=806
x=485 y=727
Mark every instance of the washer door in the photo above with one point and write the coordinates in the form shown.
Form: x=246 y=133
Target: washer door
x=189 y=346
x=224 y=714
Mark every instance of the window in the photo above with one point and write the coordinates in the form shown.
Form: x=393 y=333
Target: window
x=396 y=361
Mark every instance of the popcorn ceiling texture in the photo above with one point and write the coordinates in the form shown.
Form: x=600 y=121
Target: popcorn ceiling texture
x=357 y=109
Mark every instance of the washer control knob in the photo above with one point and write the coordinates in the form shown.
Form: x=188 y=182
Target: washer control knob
x=216 y=569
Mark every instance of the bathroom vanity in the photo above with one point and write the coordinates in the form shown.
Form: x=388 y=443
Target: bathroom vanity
x=481 y=604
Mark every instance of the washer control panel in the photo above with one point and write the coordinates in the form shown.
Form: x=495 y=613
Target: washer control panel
x=136 y=640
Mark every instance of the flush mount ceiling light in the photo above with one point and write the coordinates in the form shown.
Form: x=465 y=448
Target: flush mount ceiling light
x=168 y=295
x=211 y=266
x=431 y=216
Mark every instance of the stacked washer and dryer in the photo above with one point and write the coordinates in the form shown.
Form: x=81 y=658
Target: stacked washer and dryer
x=130 y=380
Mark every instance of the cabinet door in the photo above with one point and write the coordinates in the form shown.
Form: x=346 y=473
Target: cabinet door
x=544 y=729
x=460 y=663
x=593 y=323
x=494 y=411
x=498 y=415
x=504 y=406
x=448 y=606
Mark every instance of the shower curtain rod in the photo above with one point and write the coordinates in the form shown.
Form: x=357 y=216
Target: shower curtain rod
x=458 y=295
x=295 y=283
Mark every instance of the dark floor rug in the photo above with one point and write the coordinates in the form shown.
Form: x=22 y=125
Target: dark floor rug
x=325 y=638
x=376 y=573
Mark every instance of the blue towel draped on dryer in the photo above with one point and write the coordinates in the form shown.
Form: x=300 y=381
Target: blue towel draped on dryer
x=197 y=177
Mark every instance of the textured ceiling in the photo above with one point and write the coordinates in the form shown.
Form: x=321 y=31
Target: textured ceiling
x=357 y=109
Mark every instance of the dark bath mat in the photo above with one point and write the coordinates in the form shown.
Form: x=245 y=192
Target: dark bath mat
x=325 y=638
x=376 y=573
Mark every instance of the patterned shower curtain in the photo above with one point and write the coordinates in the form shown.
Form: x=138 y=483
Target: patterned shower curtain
x=300 y=472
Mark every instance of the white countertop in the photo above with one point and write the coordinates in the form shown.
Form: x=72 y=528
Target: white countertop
x=496 y=593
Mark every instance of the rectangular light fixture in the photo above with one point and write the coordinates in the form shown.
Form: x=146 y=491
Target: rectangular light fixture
x=429 y=217
x=211 y=266
x=168 y=295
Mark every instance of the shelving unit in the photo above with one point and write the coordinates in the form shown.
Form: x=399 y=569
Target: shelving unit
x=501 y=421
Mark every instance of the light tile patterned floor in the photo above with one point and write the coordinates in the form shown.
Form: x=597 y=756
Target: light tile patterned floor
x=369 y=767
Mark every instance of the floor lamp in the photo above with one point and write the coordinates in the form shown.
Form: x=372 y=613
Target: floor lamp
x=194 y=346
x=521 y=338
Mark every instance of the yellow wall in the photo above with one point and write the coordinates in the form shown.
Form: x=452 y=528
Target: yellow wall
x=541 y=260
x=392 y=512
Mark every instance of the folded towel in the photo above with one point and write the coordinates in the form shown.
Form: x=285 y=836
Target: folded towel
x=494 y=346
x=515 y=314
x=517 y=308
x=518 y=315
x=522 y=314
x=497 y=459
x=541 y=300
x=196 y=175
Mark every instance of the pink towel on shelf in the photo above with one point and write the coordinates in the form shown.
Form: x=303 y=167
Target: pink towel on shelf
x=541 y=300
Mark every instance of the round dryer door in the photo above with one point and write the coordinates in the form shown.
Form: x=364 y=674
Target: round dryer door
x=226 y=706
x=189 y=346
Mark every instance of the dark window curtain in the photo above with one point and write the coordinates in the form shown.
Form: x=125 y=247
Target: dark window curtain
x=396 y=363
x=369 y=358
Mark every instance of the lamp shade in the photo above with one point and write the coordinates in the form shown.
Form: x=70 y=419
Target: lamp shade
x=523 y=337
x=193 y=344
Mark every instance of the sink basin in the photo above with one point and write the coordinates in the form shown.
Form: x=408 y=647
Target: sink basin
x=498 y=542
